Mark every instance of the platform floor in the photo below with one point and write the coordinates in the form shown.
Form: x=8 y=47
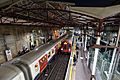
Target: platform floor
x=80 y=70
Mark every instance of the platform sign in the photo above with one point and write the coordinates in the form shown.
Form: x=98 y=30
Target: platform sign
x=68 y=28
x=8 y=54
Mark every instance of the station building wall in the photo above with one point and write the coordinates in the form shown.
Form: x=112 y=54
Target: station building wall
x=15 y=38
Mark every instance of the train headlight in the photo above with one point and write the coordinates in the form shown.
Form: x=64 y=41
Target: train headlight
x=69 y=49
x=61 y=48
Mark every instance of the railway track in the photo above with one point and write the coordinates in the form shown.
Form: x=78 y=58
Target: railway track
x=59 y=69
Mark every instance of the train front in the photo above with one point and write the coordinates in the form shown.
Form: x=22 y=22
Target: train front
x=66 y=46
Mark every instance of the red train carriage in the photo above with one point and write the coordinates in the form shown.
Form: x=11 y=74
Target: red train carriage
x=43 y=62
x=66 y=47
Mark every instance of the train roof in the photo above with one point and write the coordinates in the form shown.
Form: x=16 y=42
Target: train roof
x=38 y=52
x=8 y=72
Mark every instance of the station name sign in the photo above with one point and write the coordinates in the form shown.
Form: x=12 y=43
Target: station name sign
x=68 y=28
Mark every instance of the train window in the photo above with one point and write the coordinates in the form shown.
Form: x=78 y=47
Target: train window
x=118 y=68
x=52 y=51
x=45 y=59
x=49 y=54
x=60 y=43
x=41 y=62
x=65 y=47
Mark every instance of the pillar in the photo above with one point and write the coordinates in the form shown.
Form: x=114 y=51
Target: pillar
x=96 y=56
x=85 y=43
x=32 y=39
x=82 y=39
x=113 y=56
x=88 y=58
x=99 y=28
x=37 y=42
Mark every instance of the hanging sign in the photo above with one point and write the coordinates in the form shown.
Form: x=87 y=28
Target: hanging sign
x=8 y=54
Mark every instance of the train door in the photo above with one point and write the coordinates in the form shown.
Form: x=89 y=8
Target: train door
x=43 y=62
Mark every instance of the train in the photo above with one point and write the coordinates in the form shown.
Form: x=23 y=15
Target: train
x=66 y=45
x=31 y=65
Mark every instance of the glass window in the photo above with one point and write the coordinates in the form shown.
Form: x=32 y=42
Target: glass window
x=49 y=54
x=52 y=51
x=43 y=60
x=118 y=68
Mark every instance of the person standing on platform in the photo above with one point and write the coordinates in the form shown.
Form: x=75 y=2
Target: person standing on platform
x=77 y=53
x=74 y=60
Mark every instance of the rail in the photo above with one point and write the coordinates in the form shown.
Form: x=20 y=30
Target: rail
x=59 y=69
x=52 y=70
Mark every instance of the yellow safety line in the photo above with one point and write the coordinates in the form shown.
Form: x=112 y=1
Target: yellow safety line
x=70 y=72
x=71 y=66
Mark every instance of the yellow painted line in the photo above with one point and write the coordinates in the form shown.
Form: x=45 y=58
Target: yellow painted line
x=71 y=66
x=70 y=78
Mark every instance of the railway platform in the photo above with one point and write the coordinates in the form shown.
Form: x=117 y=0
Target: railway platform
x=80 y=71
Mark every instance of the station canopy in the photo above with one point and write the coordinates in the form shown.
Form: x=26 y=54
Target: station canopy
x=110 y=15
x=98 y=12
x=59 y=13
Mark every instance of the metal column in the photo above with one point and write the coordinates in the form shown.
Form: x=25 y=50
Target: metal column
x=82 y=39
x=99 y=29
x=85 y=43
x=113 y=56
x=96 y=56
